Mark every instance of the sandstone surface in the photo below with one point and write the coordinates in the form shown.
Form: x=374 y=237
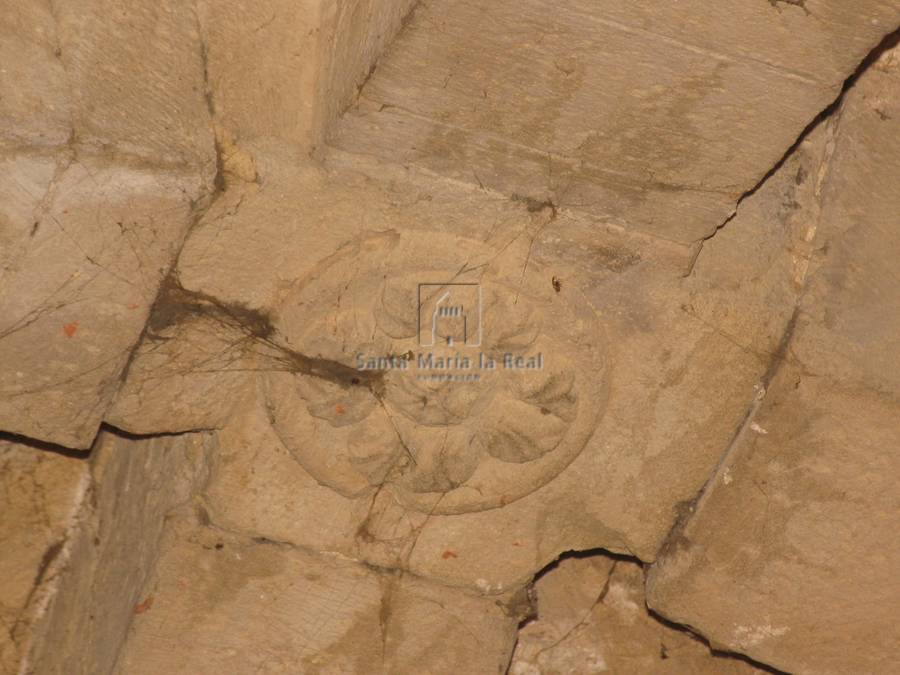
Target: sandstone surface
x=811 y=481
x=387 y=336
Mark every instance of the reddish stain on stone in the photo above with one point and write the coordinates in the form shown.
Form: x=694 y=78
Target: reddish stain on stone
x=449 y=554
x=144 y=606
x=339 y=409
x=133 y=305
x=70 y=329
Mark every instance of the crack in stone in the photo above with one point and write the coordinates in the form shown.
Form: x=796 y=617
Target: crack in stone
x=676 y=537
x=599 y=599
x=794 y=3
x=888 y=42
x=43 y=446
x=687 y=508
x=587 y=615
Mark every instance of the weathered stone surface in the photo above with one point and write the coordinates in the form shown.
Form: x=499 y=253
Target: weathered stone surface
x=850 y=313
x=87 y=243
x=120 y=57
x=434 y=629
x=188 y=372
x=285 y=610
x=134 y=485
x=281 y=610
x=40 y=494
x=763 y=567
x=654 y=118
x=331 y=479
x=35 y=105
x=680 y=358
x=591 y=618
x=103 y=162
x=257 y=487
x=791 y=557
x=495 y=432
x=672 y=349
x=287 y=69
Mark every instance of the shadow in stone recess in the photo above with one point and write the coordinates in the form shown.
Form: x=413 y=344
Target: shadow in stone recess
x=44 y=446
x=589 y=615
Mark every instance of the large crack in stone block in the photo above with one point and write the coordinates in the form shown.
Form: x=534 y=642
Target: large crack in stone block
x=338 y=361
x=790 y=556
x=622 y=110
x=676 y=350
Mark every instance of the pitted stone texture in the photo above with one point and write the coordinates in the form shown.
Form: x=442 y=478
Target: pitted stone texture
x=654 y=118
x=87 y=244
x=762 y=566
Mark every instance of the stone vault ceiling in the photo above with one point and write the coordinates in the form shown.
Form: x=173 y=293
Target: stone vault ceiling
x=681 y=222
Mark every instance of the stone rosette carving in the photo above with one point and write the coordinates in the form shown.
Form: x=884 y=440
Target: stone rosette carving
x=442 y=429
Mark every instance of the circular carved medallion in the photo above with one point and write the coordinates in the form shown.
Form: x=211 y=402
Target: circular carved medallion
x=429 y=370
